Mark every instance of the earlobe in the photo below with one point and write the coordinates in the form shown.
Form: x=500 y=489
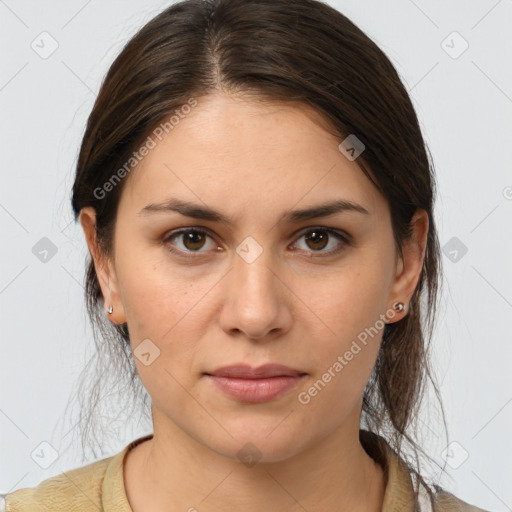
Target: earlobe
x=104 y=269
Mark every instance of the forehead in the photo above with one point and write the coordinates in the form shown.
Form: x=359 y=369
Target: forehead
x=234 y=153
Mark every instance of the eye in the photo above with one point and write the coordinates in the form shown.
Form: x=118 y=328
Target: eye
x=192 y=239
x=320 y=237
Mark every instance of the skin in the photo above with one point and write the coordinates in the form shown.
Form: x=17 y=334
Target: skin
x=294 y=305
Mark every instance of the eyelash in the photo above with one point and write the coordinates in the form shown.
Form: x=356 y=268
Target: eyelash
x=341 y=236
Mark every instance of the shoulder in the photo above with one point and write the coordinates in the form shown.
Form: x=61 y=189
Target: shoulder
x=445 y=501
x=79 y=489
x=402 y=489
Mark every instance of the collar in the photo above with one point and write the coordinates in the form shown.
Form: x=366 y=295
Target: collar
x=399 y=493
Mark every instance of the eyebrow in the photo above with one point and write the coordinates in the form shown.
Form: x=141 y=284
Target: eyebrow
x=206 y=213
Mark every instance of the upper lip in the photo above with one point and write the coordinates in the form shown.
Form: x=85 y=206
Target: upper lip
x=242 y=371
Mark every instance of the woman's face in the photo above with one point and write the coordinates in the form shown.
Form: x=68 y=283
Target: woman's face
x=261 y=287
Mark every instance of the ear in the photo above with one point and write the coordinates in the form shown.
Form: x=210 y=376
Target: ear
x=409 y=268
x=104 y=266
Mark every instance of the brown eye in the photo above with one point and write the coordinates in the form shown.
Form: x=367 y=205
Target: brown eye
x=189 y=241
x=193 y=240
x=317 y=239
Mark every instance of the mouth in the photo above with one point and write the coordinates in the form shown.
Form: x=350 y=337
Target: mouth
x=255 y=385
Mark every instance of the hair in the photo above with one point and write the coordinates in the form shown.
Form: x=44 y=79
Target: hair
x=276 y=50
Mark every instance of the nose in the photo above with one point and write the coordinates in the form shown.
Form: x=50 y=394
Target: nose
x=257 y=301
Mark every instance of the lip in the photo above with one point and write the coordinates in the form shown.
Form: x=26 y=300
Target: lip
x=255 y=385
x=243 y=371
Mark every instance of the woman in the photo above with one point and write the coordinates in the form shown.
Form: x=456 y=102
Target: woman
x=257 y=200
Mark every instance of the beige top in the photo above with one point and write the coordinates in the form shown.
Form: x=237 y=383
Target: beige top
x=99 y=486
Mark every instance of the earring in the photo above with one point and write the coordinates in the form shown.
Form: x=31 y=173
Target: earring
x=398 y=306
x=110 y=309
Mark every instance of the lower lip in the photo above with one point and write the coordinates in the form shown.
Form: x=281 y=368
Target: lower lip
x=255 y=390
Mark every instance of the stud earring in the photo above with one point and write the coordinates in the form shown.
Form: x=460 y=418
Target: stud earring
x=398 y=306
x=110 y=309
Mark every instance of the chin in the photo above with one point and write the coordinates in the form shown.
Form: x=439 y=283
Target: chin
x=257 y=448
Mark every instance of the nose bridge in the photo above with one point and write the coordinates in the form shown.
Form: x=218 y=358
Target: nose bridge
x=254 y=305
x=253 y=267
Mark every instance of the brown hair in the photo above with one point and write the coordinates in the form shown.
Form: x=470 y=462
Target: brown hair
x=303 y=51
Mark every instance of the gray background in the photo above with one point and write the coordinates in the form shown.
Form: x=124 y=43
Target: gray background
x=464 y=101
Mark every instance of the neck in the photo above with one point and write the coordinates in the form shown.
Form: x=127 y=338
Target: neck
x=174 y=471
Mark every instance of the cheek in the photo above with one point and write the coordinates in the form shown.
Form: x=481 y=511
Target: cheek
x=343 y=361
x=171 y=309
x=156 y=296
x=166 y=309
x=349 y=301
x=348 y=330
